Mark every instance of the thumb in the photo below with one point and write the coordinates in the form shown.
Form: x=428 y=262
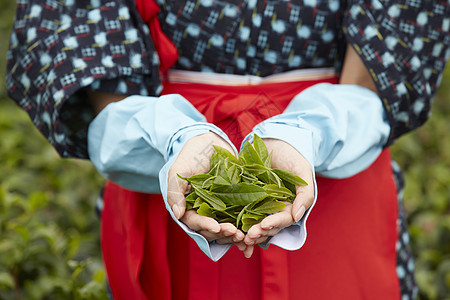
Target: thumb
x=176 y=188
x=303 y=200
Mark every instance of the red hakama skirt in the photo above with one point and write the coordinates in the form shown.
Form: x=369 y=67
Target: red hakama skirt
x=349 y=253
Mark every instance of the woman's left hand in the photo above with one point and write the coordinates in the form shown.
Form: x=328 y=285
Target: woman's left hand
x=287 y=158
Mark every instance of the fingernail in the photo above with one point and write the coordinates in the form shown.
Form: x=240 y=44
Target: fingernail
x=214 y=226
x=249 y=253
x=235 y=239
x=176 y=211
x=228 y=232
x=266 y=226
x=300 y=213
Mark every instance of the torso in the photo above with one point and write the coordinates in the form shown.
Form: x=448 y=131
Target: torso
x=254 y=37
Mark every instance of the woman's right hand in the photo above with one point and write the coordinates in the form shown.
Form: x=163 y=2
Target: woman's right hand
x=194 y=159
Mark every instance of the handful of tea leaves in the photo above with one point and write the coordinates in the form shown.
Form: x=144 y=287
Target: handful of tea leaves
x=244 y=190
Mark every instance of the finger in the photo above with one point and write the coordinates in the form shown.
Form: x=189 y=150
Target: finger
x=220 y=238
x=176 y=188
x=238 y=237
x=261 y=240
x=255 y=232
x=281 y=219
x=228 y=229
x=225 y=236
x=303 y=200
x=271 y=225
x=248 y=252
x=241 y=246
x=210 y=236
x=198 y=223
x=225 y=240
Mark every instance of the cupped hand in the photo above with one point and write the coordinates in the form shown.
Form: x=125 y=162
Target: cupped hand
x=284 y=157
x=194 y=159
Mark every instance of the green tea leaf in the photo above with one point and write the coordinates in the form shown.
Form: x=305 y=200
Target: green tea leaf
x=198 y=202
x=268 y=207
x=202 y=180
x=219 y=181
x=190 y=200
x=239 y=217
x=209 y=198
x=226 y=220
x=234 y=209
x=221 y=169
x=206 y=211
x=259 y=201
x=213 y=162
x=222 y=177
x=224 y=153
x=213 y=171
x=191 y=197
x=234 y=173
x=273 y=178
x=255 y=169
x=241 y=213
x=249 y=156
x=290 y=186
x=264 y=177
x=268 y=160
x=249 y=178
x=225 y=214
x=276 y=191
x=248 y=220
x=290 y=177
x=260 y=148
x=249 y=216
x=240 y=193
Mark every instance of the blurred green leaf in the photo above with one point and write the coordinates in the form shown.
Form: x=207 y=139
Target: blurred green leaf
x=424 y=156
x=6 y=280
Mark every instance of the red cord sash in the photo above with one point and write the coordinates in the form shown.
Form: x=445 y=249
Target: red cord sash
x=166 y=50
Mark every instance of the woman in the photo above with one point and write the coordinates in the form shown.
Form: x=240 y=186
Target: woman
x=66 y=55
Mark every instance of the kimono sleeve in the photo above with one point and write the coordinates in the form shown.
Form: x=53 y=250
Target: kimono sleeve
x=58 y=49
x=404 y=45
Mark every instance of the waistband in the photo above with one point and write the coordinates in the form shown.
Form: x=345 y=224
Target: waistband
x=181 y=76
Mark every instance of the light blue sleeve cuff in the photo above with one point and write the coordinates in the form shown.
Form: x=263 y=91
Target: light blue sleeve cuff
x=212 y=250
x=339 y=129
x=130 y=140
x=134 y=142
x=347 y=123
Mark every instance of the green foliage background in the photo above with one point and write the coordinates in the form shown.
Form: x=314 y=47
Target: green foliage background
x=49 y=234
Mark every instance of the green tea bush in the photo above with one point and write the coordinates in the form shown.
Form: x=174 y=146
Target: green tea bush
x=49 y=233
x=424 y=156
